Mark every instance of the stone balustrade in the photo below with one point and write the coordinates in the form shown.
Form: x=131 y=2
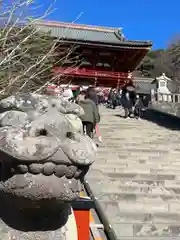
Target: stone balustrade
x=166 y=104
x=164 y=97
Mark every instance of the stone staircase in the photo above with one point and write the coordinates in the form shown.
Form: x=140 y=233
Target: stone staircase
x=136 y=177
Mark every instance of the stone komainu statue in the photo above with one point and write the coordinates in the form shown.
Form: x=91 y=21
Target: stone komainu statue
x=43 y=156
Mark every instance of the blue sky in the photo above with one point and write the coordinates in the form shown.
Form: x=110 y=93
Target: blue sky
x=155 y=20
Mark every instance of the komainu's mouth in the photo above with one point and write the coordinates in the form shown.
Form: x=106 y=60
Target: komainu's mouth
x=49 y=168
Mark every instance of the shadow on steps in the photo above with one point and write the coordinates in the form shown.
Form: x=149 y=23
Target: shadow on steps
x=162 y=119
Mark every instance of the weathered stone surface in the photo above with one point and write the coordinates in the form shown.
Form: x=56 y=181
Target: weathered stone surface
x=43 y=155
x=72 y=108
x=40 y=103
x=156 y=230
x=136 y=176
x=80 y=149
x=55 y=124
x=75 y=122
x=13 y=118
x=124 y=230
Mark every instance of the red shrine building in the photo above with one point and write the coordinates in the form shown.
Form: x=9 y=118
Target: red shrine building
x=93 y=55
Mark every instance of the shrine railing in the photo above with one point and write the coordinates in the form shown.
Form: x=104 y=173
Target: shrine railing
x=162 y=97
x=83 y=72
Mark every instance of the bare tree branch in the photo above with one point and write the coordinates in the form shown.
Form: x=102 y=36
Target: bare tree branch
x=27 y=54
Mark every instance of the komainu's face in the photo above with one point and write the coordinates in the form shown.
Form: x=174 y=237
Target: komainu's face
x=43 y=152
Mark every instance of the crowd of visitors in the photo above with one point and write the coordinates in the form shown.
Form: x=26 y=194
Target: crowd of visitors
x=89 y=99
x=126 y=97
x=132 y=103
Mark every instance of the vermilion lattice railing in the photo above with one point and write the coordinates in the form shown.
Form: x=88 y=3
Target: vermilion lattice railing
x=83 y=72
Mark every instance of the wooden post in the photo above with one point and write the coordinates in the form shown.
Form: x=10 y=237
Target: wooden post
x=95 y=82
x=71 y=227
x=118 y=82
x=83 y=223
x=82 y=215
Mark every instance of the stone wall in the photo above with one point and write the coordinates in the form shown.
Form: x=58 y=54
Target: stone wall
x=169 y=108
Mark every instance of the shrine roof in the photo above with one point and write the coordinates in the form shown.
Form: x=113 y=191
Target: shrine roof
x=87 y=33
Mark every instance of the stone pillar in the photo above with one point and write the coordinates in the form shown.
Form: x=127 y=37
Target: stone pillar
x=70 y=229
x=153 y=97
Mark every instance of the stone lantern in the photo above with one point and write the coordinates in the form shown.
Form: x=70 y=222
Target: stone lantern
x=162 y=88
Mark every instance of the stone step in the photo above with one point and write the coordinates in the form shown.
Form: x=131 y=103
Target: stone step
x=134 y=197
x=169 y=184
x=137 y=186
x=138 y=170
x=119 y=160
x=135 y=181
x=128 y=129
x=140 y=231
x=136 y=177
x=158 y=201
x=140 y=183
x=122 y=156
x=118 y=214
x=133 y=175
x=137 y=153
x=130 y=200
x=152 y=167
x=144 y=237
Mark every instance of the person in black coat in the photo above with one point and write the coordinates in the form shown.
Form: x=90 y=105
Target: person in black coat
x=138 y=107
x=114 y=99
x=92 y=95
x=127 y=103
x=91 y=115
